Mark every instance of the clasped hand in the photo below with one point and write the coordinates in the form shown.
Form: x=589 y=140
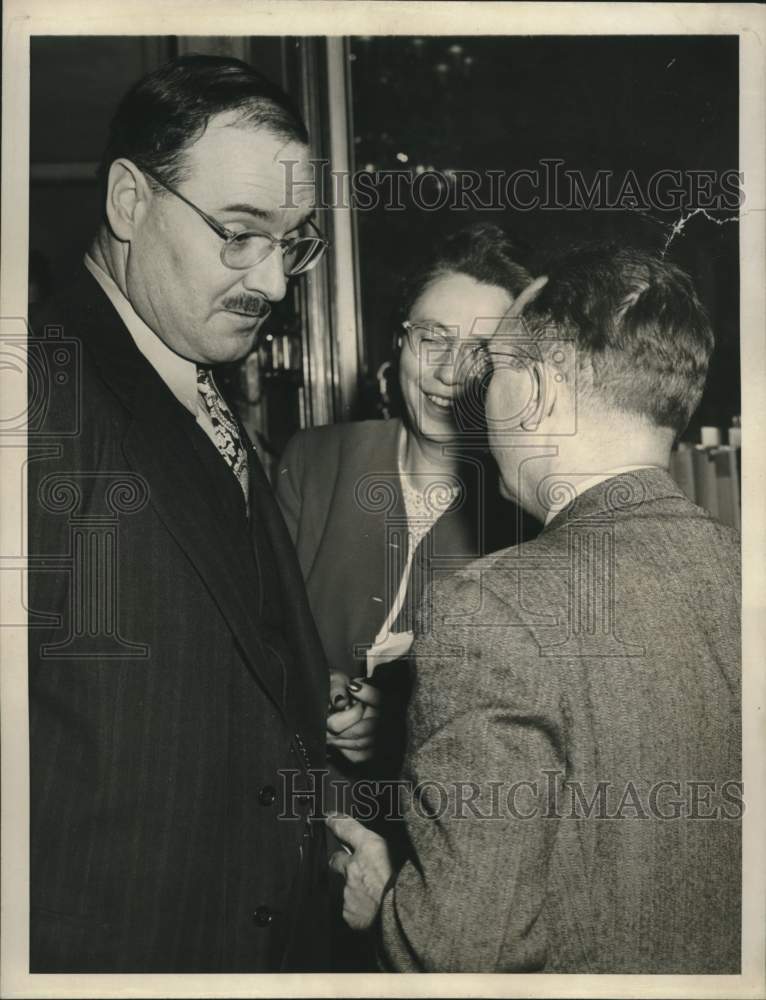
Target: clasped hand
x=353 y=717
x=365 y=865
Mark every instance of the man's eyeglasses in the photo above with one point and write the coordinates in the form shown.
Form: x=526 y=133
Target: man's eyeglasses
x=247 y=248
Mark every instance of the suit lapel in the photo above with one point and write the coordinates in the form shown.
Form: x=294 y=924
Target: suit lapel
x=376 y=520
x=190 y=494
x=306 y=687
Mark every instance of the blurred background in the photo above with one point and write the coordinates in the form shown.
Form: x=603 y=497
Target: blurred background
x=437 y=105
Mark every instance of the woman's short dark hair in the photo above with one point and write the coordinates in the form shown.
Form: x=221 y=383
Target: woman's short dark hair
x=169 y=109
x=642 y=338
x=482 y=251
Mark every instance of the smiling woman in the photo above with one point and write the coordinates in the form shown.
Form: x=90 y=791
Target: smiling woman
x=378 y=509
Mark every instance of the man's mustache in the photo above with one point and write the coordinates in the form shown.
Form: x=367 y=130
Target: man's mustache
x=250 y=305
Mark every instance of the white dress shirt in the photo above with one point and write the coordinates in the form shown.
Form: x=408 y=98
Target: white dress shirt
x=421 y=517
x=179 y=374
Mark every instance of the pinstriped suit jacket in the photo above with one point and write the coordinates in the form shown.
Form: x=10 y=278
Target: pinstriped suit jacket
x=581 y=693
x=174 y=672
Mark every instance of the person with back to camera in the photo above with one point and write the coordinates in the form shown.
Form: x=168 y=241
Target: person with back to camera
x=574 y=735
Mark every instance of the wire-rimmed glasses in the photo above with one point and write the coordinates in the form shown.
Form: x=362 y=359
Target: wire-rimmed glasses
x=246 y=249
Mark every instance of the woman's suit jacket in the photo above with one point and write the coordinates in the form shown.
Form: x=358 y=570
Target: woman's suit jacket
x=340 y=493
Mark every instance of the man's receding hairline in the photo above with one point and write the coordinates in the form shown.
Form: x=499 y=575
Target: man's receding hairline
x=239 y=119
x=242 y=125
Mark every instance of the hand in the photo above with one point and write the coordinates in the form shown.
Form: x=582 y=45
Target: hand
x=339 y=697
x=366 y=871
x=352 y=725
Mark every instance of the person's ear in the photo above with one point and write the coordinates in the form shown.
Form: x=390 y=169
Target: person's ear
x=127 y=198
x=543 y=398
x=513 y=323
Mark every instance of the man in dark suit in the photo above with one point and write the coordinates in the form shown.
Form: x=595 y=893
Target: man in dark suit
x=178 y=689
x=574 y=736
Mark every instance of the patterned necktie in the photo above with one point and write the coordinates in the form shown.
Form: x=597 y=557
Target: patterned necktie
x=227 y=436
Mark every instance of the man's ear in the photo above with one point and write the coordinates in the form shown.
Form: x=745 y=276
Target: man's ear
x=127 y=197
x=542 y=402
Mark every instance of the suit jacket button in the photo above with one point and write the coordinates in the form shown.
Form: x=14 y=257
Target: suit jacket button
x=267 y=795
x=263 y=916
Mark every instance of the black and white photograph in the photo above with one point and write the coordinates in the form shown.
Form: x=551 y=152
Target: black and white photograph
x=382 y=546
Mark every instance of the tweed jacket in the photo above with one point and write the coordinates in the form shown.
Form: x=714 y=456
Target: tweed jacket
x=573 y=763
